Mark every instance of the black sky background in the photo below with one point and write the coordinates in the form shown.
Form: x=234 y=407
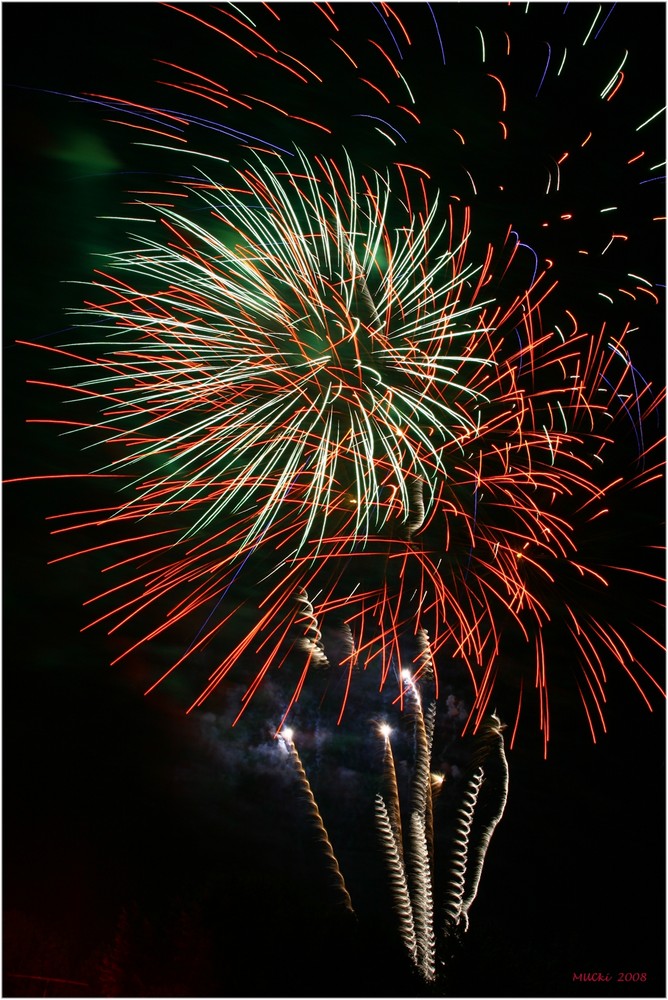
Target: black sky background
x=166 y=849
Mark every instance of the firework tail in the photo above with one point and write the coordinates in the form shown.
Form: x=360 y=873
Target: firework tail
x=472 y=835
x=422 y=896
x=312 y=638
x=320 y=827
x=396 y=871
x=425 y=723
x=421 y=797
x=491 y=748
x=421 y=843
x=410 y=878
x=392 y=803
x=456 y=888
x=429 y=721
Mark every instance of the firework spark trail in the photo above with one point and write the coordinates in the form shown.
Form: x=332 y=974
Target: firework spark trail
x=429 y=722
x=393 y=854
x=313 y=639
x=411 y=880
x=454 y=896
x=492 y=735
x=305 y=786
x=391 y=802
x=420 y=837
x=421 y=801
x=420 y=885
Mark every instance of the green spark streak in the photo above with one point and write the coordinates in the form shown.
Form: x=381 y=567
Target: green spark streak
x=385 y=135
x=562 y=63
x=613 y=80
x=182 y=149
x=651 y=119
x=242 y=13
x=592 y=27
x=405 y=83
x=124 y=218
x=639 y=278
x=482 y=42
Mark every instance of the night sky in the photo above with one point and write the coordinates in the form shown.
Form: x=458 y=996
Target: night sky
x=152 y=853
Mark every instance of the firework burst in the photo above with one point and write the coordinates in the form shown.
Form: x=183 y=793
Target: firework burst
x=316 y=376
x=335 y=398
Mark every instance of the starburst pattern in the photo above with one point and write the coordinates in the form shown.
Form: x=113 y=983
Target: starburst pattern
x=316 y=376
